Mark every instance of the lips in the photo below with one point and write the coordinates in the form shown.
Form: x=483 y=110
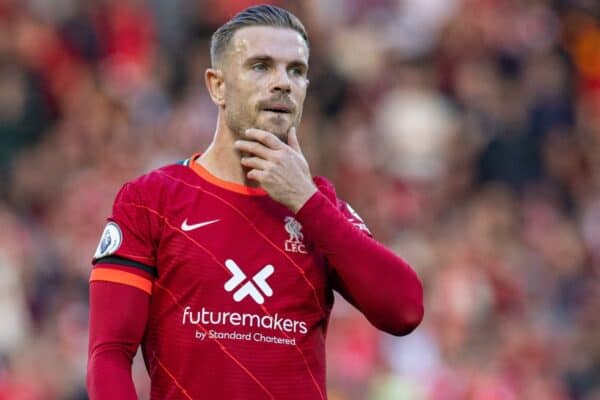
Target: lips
x=277 y=107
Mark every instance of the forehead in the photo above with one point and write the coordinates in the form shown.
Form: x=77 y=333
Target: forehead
x=278 y=43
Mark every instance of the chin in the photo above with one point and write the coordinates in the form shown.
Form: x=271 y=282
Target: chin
x=279 y=128
x=281 y=134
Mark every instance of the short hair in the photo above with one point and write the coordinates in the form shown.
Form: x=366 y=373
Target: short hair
x=260 y=15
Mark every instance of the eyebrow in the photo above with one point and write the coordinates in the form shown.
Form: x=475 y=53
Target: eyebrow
x=269 y=59
x=265 y=59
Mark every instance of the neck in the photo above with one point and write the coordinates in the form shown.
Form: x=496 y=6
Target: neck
x=221 y=159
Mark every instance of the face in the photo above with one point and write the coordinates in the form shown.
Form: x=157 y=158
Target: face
x=265 y=76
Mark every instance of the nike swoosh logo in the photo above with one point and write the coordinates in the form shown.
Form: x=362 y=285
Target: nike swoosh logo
x=185 y=227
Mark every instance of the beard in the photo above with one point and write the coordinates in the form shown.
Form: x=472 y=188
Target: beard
x=242 y=117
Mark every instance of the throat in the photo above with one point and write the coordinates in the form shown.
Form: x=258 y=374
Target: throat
x=225 y=165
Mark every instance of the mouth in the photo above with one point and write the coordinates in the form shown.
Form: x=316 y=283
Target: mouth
x=277 y=111
x=278 y=108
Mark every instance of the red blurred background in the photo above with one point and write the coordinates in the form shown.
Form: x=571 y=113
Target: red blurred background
x=465 y=132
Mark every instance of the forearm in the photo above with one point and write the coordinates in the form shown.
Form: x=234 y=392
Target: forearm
x=379 y=283
x=109 y=375
x=118 y=316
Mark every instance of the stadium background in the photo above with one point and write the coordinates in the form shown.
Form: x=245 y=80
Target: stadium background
x=466 y=133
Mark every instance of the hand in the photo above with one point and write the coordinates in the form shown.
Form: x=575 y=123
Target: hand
x=280 y=168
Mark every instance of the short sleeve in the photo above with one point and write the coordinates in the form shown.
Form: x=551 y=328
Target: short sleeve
x=126 y=253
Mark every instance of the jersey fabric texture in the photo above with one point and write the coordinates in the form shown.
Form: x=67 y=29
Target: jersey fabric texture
x=228 y=294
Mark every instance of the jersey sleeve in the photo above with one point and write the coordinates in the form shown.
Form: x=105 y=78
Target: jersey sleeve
x=383 y=286
x=327 y=189
x=126 y=252
x=121 y=281
x=352 y=216
x=118 y=317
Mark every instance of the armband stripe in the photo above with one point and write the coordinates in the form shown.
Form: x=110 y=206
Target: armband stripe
x=122 y=277
x=126 y=262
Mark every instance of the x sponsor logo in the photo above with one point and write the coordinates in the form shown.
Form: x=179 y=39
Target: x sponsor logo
x=256 y=288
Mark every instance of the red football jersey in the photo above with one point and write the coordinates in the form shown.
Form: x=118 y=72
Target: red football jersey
x=239 y=296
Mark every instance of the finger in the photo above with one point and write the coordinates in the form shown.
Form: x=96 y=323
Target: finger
x=266 y=138
x=254 y=148
x=255 y=163
x=255 y=175
x=293 y=140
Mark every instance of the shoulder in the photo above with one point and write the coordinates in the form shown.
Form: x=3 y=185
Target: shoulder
x=160 y=176
x=327 y=188
x=154 y=184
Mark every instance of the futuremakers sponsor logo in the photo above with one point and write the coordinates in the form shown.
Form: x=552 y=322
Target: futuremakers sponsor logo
x=255 y=288
x=218 y=318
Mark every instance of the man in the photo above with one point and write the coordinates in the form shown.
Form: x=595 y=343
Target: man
x=222 y=266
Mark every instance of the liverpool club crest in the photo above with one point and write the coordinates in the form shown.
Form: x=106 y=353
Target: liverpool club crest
x=295 y=244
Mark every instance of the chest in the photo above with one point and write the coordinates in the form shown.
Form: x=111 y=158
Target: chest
x=248 y=253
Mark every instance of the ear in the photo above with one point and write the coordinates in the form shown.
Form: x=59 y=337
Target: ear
x=215 y=83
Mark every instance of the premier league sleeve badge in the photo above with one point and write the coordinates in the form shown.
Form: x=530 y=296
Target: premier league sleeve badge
x=110 y=241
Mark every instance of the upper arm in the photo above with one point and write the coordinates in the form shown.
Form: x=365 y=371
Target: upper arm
x=123 y=272
x=126 y=253
x=383 y=286
x=121 y=282
x=352 y=216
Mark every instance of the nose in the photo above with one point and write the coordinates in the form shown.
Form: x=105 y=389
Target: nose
x=281 y=80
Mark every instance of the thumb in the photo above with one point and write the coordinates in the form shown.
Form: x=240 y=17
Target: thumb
x=293 y=140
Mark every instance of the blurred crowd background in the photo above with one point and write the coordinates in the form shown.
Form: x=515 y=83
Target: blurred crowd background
x=465 y=132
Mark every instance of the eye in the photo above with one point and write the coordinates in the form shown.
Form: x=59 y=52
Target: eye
x=298 y=71
x=259 y=67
